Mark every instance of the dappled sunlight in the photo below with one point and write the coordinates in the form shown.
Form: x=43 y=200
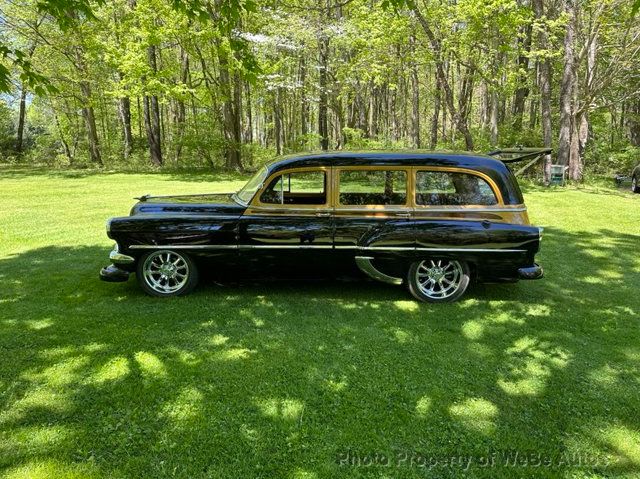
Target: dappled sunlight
x=151 y=367
x=530 y=364
x=186 y=408
x=605 y=376
x=45 y=439
x=115 y=369
x=62 y=373
x=624 y=444
x=400 y=335
x=477 y=414
x=50 y=401
x=423 y=406
x=48 y=468
x=218 y=339
x=235 y=354
x=407 y=306
x=472 y=330
x=39 y=323
x=303 y=474
x=284 y=409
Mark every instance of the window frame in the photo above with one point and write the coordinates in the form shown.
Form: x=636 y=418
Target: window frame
x=371 y=208
x=257 y=203
x=450 y=169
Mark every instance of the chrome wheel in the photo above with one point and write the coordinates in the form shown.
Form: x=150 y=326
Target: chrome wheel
x=439 y=279
x=166 y=272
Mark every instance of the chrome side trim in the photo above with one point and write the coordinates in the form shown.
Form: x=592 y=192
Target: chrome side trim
x=455 y=250
x=286 y=246
x=183 y=246
x=310 y=246
x=364 y=263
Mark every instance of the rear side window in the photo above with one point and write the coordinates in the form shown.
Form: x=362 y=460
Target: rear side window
x=443 y=188
x=373 y=187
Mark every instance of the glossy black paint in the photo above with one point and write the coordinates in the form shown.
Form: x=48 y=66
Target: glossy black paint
x=217 y=228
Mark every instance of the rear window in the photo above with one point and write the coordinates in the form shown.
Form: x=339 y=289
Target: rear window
x=373 y=187
x=444 y=188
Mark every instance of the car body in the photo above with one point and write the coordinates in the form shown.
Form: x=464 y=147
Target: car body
x=433 y=221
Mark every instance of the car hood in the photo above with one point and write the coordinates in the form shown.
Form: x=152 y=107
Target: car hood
x=206 y=204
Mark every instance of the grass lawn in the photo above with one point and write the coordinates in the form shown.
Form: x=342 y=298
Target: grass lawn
x=312 y=380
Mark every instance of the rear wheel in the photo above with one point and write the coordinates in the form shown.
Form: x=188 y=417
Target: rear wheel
x=438 y=281
x=634 y=185
x=166 y=273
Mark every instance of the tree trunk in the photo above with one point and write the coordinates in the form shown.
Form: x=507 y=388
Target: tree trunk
x=277 y=121
x=632 y=119
x=124 y=111
x=493 y=117
x=181 y=109
x=415 y=97
x=88 y=113
x=63 y=141
x=567 y=85
x=90 y=121
x=249 y=127
x=21 y=116
x=152 y=116
x=436 y=46
x=323 y=121
x=544 y=72
x=304 y=102
x=435 y=117
x=522 y=92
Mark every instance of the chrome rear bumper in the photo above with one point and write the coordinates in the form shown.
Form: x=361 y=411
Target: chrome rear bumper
x=531 y=272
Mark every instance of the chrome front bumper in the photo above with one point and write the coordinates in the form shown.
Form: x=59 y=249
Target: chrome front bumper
x=113 y=273
x=531 y=272
x=118 y=258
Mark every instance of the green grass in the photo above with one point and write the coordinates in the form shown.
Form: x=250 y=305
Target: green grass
x=283 y=379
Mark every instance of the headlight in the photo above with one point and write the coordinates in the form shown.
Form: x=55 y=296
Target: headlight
x=108 y=225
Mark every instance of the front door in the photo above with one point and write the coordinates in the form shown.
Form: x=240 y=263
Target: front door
x=288 y=228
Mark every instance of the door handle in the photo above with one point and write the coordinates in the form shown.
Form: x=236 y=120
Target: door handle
x=403 y=215
x=323 y=214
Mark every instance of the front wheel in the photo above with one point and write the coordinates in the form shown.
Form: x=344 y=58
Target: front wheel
x=166 y=273
x=634 y=185
x=438 y=281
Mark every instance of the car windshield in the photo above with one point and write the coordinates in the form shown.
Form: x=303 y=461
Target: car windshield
x=246 y=193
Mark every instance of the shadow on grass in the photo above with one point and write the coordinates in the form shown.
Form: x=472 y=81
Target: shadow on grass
x=291 y=379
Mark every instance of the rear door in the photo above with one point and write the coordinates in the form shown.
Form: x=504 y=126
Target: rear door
x=370 y=199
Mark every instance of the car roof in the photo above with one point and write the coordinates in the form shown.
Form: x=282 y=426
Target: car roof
x=389 y=158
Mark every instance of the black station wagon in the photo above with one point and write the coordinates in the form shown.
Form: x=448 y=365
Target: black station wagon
x=432 y=221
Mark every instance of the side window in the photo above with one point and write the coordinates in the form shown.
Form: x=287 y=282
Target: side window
x=297 y=188
x=441 y=188
x=373 y=187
